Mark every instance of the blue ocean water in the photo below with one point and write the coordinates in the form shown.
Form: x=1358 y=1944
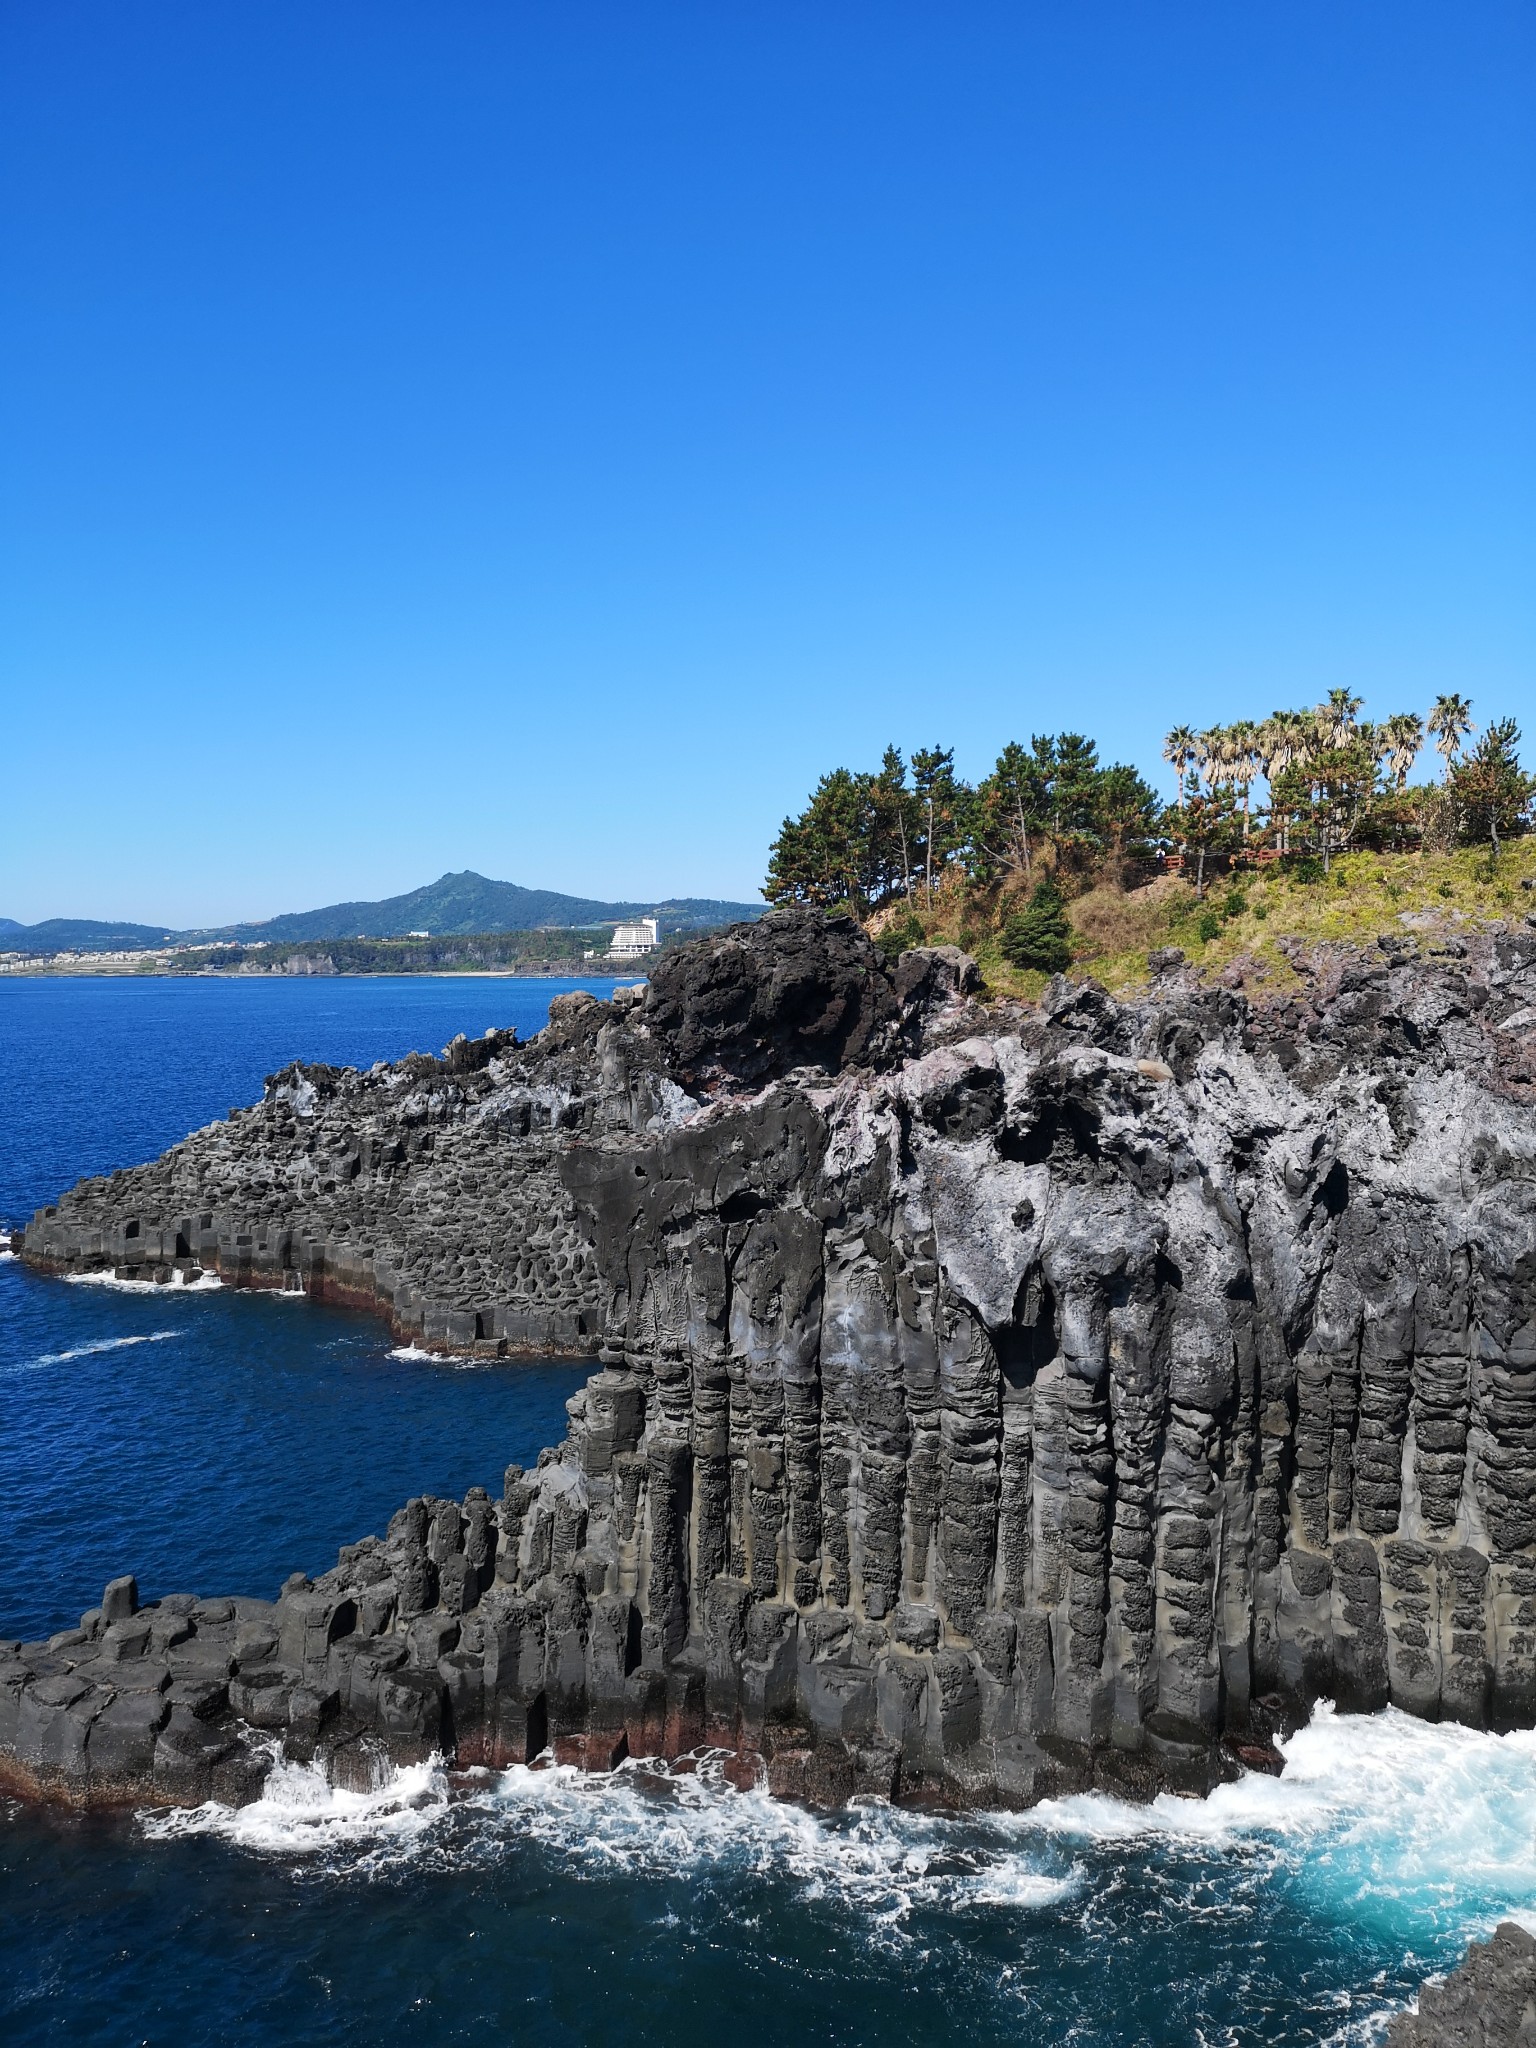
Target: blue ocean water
x=214 y=1441
x=208 y=1441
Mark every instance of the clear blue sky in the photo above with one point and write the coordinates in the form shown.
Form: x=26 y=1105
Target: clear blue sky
x=542 y=438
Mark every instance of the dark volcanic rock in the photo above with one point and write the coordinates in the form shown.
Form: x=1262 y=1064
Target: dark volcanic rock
x=991 y=1401
x=1489 y=2002
x=796 y=989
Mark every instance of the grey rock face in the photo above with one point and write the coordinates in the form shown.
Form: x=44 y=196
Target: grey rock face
x=796 y=988
x=1489 y=2002
x=996 y=1400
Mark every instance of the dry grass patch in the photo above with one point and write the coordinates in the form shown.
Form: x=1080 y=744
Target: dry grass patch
x=1241 y=917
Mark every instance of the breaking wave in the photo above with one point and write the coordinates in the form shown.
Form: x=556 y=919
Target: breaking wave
x=417 y=1354
x=881 y=1861
x=1414 y=1834
x=205 y=1283
x=100 y=1344
x=1380 y=1816
x=300 y=1815
x=644 y=1820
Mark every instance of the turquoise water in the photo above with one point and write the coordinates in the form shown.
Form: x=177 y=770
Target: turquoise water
x=213 y=1441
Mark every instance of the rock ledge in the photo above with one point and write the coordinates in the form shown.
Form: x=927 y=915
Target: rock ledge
x=988 y=1403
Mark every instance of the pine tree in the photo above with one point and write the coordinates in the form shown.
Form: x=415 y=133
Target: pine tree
x=1492 y=792
x=1012 y=812
x=893 y=829
x=1074 y=796
x=1125 y=809
x=823 y=856
x=943 y=806
x=1040 y=936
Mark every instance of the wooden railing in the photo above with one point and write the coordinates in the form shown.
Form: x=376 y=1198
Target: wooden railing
x=1218 y=863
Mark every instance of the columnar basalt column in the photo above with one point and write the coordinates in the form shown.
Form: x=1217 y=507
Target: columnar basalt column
x=989 y=1399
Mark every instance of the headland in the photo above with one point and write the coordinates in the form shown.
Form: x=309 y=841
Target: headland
x=991 y=1400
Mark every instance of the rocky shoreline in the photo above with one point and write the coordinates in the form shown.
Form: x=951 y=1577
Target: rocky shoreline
x=990 y=1401
x=1489 y=2002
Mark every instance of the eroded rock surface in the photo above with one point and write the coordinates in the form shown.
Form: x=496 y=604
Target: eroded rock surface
x=988 y=1400
x=1489 y=2002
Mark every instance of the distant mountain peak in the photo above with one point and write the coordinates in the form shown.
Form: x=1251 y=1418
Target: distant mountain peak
x=462 y=902
x=453 y=905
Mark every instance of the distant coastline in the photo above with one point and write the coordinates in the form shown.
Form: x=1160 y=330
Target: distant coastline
x=463 y=906
x=541 y=954
x=109 y=968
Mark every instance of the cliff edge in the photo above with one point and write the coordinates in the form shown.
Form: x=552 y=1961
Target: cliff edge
x=1488 y=2002
x=989 y=1401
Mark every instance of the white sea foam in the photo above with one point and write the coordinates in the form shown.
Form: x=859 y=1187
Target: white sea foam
x=205 y=1283
x=299 y=1814
x=100 y=1344
x=642 y=1820
x=878 y=1861
x=417 y=1354
x=1423 y=1833
x=1381 y=1817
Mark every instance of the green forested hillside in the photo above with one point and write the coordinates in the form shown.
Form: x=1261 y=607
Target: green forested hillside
x=451 y=907
x=463 y=903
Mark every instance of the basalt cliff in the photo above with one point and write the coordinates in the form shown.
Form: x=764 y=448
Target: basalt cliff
x=987 y=1401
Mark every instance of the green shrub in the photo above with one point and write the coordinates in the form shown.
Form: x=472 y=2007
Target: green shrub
x=1261 y=911
x=1039 y=936
x=1235 y=904
x=1209 y=926
x=901 y=935
x=1304 y=867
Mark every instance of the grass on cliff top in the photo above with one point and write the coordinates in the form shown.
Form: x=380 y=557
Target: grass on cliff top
x=1244 y=916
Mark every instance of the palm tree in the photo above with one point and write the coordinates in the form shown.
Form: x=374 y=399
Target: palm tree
x=1404 y=732
x=1450 y=722
x=1287 y=738
x=1336 y=718
x=1180 y=750
x=1213 y=751
x=1243 y=760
